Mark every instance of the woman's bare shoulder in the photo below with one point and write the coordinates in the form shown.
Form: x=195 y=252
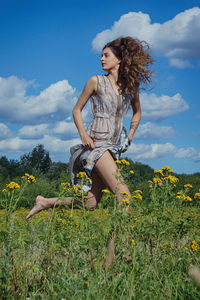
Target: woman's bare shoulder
x=93 y=82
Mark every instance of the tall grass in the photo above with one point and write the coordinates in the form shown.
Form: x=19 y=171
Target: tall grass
x=145 y=252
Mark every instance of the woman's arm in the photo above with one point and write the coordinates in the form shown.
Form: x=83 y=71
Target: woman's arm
x=89 y=89
x=136 y=115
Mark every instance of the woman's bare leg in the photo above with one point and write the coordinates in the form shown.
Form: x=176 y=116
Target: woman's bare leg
x=107 y=170
x=95 y=194
x=43 y=203
x=104 y=175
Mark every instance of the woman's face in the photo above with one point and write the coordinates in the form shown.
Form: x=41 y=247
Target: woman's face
x=109 y=61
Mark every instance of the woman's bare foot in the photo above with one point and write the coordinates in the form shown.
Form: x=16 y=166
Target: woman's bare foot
x=41 y=203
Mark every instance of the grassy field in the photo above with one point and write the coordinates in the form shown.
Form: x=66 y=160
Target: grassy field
x=144 y=253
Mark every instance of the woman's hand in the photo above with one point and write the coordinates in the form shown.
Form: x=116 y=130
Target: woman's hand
x=130 y=137
x=87 y=141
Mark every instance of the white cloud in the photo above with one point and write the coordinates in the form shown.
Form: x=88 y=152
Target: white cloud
x=142 y=151
x=65 y=128
x=4 y=131
x=155 y=108
x=188 y=153
x=175 y=39
x=180 y=63
x=36 y=131
x=149 y=131
x=55 y=102
x=145 y=152
x=51 y=143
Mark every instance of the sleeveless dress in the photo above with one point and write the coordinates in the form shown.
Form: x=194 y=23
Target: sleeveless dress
x=106 y=129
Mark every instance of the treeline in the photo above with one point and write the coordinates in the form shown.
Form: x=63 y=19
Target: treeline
x=38 y=163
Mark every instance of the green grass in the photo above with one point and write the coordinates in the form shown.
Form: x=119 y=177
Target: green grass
x=62 y=253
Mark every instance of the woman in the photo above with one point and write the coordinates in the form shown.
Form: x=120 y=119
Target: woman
x=126 y=61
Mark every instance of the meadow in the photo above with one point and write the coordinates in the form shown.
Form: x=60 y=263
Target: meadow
x=144 y=252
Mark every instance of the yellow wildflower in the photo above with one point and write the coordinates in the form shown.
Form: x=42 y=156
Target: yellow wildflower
x=171 y=178
x=133 y=241
x=138 y=192
x=187 y=198
x=157 y=180
x=165 y=168
x=75 y=188
x=118 y=161
x=65 y=186
x=125 y=194
x=4 y=190
x=194 y=246
x=13 y=185
x=126 y=201
x=186 y=248
x=29 y=178
x=125 y=162
x=188 y=186
x=132 y=172
x=106 y=191
x=197 y=196
x=159 y=172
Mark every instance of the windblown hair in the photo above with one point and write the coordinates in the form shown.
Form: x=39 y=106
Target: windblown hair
x=135 y=62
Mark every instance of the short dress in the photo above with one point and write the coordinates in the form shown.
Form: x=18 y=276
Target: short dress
x=106 y=128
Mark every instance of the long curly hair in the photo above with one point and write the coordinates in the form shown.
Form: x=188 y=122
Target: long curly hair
x=135 y=62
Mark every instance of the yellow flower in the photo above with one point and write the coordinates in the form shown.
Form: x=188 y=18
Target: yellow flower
x=29 y=178
x=75 y=188
x=13 y=185
x=194 y=246
x=186 y=248
x=65 y=186
x=171 y=178
x=118 y=161
x=125 y=194
x=165 y=168
x=125 y=162
x=126 y=201
x=157 y=180
x=83 y=175
x=159 y=172
x=187 y=198
x=197 y=195
x=133 y=241
x=106 y=191
x=138 y=192
x=187 y=186
x=132 y=172
x=4 y=190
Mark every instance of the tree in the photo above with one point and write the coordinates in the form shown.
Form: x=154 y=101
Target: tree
x=38 y=159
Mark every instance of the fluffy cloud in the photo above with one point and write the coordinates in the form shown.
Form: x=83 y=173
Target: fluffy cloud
x=155 y=108
x=55 y=102
x=190 y=152
x=36 y=131
x=145 y=152
x=4 y=131
x=51 y=143
x=65 y=128
x=149 y=131
x=175 y=39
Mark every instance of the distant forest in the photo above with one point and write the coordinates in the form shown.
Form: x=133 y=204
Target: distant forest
x=38 y=163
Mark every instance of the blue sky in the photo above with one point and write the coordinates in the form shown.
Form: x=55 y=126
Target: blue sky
x=50 y=48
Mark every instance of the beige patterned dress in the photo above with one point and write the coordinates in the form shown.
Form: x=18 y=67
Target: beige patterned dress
x=106 y=128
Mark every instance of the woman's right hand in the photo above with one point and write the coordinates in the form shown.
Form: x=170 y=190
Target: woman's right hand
x=87 y=141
